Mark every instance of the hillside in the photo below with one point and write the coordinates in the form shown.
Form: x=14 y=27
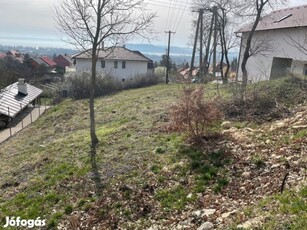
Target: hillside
x=150 y=178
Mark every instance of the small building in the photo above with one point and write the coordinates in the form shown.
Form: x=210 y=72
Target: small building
x=48 y=61
x=15 y=98
x=63 y=61
x=16 y=55
x=2 y=55
x=118 y=62
x=36 y=62
x=279 y=45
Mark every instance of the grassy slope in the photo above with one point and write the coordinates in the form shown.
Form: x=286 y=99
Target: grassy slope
x=45 y=170
x=42 y=162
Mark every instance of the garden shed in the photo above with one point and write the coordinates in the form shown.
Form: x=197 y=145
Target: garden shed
x=15 y=98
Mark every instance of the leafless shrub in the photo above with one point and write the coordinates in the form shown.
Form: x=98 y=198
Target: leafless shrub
x=193 y=114
x=142 y=81
x=265 y=101
x=106 y=85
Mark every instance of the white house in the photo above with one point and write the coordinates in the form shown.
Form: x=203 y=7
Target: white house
x=118 y=62
x=279 y=45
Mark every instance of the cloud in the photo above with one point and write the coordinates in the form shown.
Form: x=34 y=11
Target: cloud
x=21 y=17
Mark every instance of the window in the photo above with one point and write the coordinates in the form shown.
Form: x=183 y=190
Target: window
x=305 y=70
x=124 y=65
x=103 y=64
x=115 y=64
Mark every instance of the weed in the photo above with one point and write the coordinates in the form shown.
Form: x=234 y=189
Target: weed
x=161 y=179
x=81 y=202
x=258 y=161
x=87 y=207
x=300 y=134
x=53 y=220
x=68 y=209
x=160 y=150
x=156 y=169
x=173 y=199
x=102 y=213
x=200 y=186
x=221 y=182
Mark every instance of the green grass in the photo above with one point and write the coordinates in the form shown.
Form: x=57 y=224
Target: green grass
x=300 y=134
x=258 y=161
x=206 y=168
x=286 y=211
x=49 y=161
x=46 y=170
x=173 y=199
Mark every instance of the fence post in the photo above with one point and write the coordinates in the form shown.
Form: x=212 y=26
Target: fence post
x=8 y=109
x=31 y=115
x=21 y=119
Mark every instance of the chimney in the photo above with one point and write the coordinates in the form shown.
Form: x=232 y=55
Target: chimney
x=22 y=86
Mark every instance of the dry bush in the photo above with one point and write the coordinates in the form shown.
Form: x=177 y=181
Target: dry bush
x=79 y=84
x=265 y=101
x=194 y=115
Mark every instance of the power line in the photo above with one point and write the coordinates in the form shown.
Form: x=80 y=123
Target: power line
x=168 y=12
x=185 y=6
x=178 y=3
x=172 y=14
x=164 y=4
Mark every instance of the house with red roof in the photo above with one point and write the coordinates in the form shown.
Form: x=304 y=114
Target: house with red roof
x=2 y=55
x=36 y=62
x=63 y=61
x=48 y=61
x=16 y=55
x=279 y=45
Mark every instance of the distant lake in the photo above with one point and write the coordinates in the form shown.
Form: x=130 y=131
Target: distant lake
x=33 y=42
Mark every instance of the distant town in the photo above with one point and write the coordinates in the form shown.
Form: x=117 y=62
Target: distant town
x=178 y=55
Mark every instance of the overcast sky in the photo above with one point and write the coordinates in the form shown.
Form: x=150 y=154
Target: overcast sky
x=22 y=21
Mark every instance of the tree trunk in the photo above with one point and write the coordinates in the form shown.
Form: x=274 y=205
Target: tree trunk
x=244 y=71
x=94 y=138
x=249 y=41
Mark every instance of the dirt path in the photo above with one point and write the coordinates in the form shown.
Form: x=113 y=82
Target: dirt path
x=27 y=120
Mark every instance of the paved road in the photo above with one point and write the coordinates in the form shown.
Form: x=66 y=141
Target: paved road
x=36 y=113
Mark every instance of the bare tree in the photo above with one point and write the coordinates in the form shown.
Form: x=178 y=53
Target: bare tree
x=296 y=43
x=89 y=24
x=225 y=25
x=259 y=10
x=254 y=9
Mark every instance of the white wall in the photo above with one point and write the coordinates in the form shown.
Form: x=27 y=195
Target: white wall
x=281 y=45
x=133 y=68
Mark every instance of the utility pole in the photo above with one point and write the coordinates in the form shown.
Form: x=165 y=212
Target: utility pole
x=206 y=59
x=201 y=12
x=214 y=40
x=194 y=47
x=168 y=59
